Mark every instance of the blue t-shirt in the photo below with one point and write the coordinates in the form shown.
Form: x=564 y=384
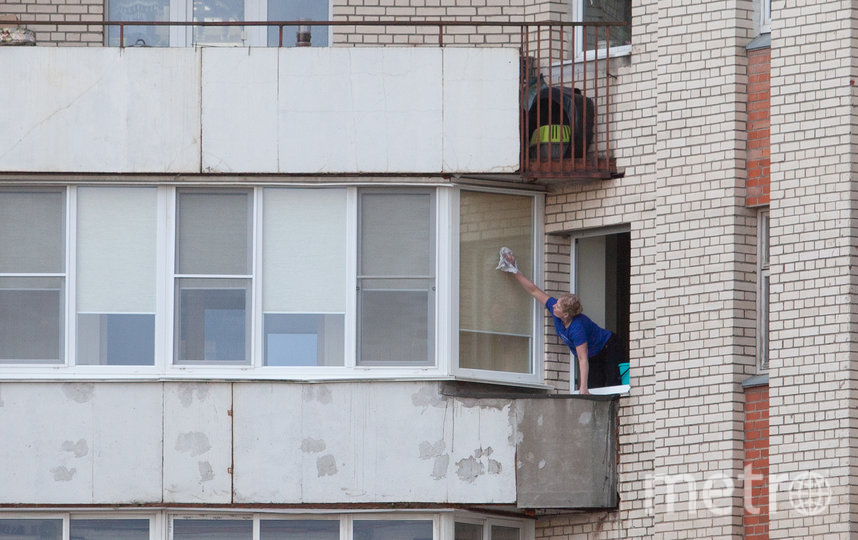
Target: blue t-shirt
x=580 y=330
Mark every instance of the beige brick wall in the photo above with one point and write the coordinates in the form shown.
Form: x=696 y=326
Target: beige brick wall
x=48 y=11
x=813 y=341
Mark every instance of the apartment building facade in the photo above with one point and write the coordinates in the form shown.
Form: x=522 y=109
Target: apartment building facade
x=249 y=291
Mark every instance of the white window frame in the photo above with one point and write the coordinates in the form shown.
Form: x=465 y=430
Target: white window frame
x=526 y=526
x=765 y=16
x=156 y=519
x=577 y=8
x=536 y=377
x=763 y=300
x=253 y=36
x=573 y=288
x=446 y=321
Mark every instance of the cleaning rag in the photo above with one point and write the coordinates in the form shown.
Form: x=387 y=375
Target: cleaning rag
x=504 y=264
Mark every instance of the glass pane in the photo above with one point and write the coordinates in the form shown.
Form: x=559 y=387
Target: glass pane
x=218 y=11
x=31 y=315
x=32 y=232
x=764 y=239
x=212 y=529
x=109 y=529
x=304 y=238
x=277 y=529
x=495 y=315
x=31 y=529
x=139 y=10
x=392 y=530
x=116 y=249
x=115 y=339
x=505 y=533
x=396 y=234
x=395 y=326
x=294 y=10
x=469 y=531
x=764 y=323
x=304 y=339
x=213 y=323
x=607 y=11
x=213 y=233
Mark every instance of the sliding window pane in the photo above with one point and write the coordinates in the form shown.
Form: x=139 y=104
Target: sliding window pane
x=505 y=533
x=281 y=529
x=395 y=323
x=212 y=529
x=397 y=234
x=213 y=321
x=295 y=10
x=31 y=315
x=468 y=531
x=392 y=529
x=213 y=233
x=32 y=232
x=218 y=11
x=109 y=529
x=31 y=529
x=139 y=10
x=116 y=254
x=495 y=316
x=304 y=340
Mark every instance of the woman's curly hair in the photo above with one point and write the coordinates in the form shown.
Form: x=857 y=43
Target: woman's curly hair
x=570 y=304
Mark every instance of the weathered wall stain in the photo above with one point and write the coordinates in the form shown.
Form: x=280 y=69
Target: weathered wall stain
x=63 y=474
x=186 y=392
x=318 y=392
x=79 y=449
x=326 y=465
x=206 y=472
x=439 y=468
x=195 y=442
x=585 y=418
x=79 y=392
x=310 y=445
x=495 y=467
x=427 y=396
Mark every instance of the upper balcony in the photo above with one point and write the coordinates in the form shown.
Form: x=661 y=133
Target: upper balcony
x=531 y=110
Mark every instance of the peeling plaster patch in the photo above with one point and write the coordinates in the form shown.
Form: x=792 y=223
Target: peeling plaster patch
x=495 y=467
x=309 y=445
x=469 y=469
x=427 y=397
x=483 y=404
x=80 y=392
x=62 y=474
x=206 y=472
x=429 y=450
x=353 y=492
x=586 y=417
x=540 y=421
x=541 y=464
x=79 y=448
x=320 y=393
x=479 y=452
x=326 y=465
x=187 y=390
x=439 y=468
x=516 y=416
x=194 y=442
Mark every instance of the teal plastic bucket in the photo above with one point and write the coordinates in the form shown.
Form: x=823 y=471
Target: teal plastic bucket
x=624 y=372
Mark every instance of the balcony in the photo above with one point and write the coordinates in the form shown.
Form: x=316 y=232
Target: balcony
x=531 y=110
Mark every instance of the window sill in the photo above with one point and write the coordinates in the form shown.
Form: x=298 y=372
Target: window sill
x=608 y=390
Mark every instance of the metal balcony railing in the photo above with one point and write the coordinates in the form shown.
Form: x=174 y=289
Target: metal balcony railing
x=565 y=89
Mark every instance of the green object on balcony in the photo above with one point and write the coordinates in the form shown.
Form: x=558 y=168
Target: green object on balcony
x=552 y=133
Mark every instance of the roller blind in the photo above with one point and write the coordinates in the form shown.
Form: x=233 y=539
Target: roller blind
x=304 y=250
x=116 y=244
x=213 y=233
x=32 y=232
x=396 y=234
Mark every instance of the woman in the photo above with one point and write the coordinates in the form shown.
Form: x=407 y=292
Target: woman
x=595 y=348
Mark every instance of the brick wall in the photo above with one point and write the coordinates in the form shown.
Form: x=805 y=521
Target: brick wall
x=52 y=35
x=756 y=490
x=759 y=67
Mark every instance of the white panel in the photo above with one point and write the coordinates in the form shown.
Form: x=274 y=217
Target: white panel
x=197 y=443
x=239 y=105
x=116 y=230
x=268 y=443
x=360 y=110
x=101 y=109
x=72 y=443
x=481 y=116
x=590 y=276
x=304 y=250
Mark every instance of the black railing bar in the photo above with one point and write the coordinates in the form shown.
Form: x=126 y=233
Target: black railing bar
x=482 y=24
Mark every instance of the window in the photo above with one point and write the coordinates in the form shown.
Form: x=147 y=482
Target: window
x=396 y=277
x=116 y=257
x=32 y=276
x=215 y=11
x=601 y=280
x=473 y=528
x=763 y=291
x=765 y=16
x=592 y=39
x=79 y=528
x=271 y=282
x=392 y=529
x=495 y=316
